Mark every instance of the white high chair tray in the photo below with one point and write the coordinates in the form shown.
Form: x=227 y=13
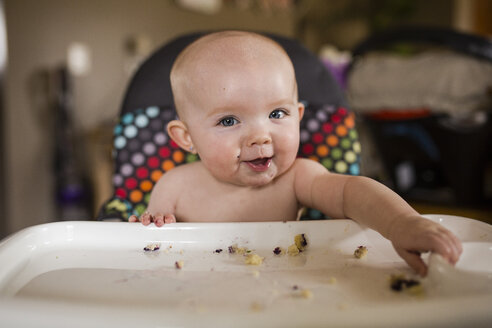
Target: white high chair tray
x=98 y=274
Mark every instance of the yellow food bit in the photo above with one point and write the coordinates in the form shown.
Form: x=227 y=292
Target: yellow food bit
x=306 y=293
x=332 y=280
x=300 y=241
x=179 y=264
x=416 y=290
x=256 y=307
x=253 y=259
x=242 y=250
x=399 y=283
x=360 y=252
x=293 y=250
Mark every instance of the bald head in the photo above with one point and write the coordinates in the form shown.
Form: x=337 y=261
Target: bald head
x=232 y=53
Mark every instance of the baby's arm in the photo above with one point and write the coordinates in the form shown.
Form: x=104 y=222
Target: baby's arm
x=162 y=201
x=377 y=207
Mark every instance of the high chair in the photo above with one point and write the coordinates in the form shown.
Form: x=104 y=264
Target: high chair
x=434 y=141
x=143 y=151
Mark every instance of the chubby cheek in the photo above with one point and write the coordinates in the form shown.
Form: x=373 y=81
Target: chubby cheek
x=286 y=148
x=219 y=156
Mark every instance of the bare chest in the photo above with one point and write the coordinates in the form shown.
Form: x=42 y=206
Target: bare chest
x=273 y=203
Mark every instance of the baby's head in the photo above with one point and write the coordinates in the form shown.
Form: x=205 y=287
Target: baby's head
x=236 y=97
x=220 y=55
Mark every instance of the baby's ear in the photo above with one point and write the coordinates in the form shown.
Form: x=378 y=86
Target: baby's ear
x=178 y=131
x=300 y=107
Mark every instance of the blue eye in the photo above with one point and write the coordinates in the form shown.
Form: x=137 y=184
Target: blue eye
x=278 y=114
x=228 y=121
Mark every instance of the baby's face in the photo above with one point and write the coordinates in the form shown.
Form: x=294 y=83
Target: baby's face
x=244 y=121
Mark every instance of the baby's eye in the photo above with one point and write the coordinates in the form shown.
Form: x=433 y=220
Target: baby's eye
x=278 y=113
x=228 y=121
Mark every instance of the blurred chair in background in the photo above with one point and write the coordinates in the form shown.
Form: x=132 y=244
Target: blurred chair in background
x=426 y=96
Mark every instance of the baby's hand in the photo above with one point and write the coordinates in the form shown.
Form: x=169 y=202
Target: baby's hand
x=414 y=235
x=159 y=220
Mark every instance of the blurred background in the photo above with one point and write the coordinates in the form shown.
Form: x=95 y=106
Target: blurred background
x=65 y=65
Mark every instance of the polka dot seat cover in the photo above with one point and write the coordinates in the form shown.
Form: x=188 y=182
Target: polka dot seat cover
x=143 y=152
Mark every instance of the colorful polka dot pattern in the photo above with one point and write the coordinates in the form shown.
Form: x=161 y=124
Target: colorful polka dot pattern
x=328 y=136
x=143 y=152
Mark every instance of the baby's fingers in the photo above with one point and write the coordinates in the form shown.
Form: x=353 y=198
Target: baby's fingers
x=169 y=218
x=159 y=220
x=146 y=218
x=454 y=248
x=458 y=248
x=445 y=244
x=414 y=260
x=442 y=242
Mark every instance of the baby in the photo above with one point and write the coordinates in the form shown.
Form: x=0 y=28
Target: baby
x=236 y=97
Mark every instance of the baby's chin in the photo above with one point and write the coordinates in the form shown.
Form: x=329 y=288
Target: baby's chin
x=244 y=176
x=256 y=180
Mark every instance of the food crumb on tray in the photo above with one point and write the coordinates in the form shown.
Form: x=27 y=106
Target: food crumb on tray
x=302 y=293
x=179 y=264
x=301 y=242
x=256 y=307
x=278 y=251
x=293 y=250
x=399 y=283
x=253 y=259
x=306 y=293
x=299 y=245
x=332 y=280
x=152 y=247
x=234 y=249
x=360 y=252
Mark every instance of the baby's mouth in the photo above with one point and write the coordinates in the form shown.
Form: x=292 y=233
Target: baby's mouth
x=260 y=164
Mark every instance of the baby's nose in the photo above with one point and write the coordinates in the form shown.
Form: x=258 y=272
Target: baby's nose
x=259 y=136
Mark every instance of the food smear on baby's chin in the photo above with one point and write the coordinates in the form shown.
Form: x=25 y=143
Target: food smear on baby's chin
x=260 y=164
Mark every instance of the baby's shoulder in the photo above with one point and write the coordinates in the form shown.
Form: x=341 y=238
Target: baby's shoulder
x=305 y=164
x=182 y=173
x=307 y=170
